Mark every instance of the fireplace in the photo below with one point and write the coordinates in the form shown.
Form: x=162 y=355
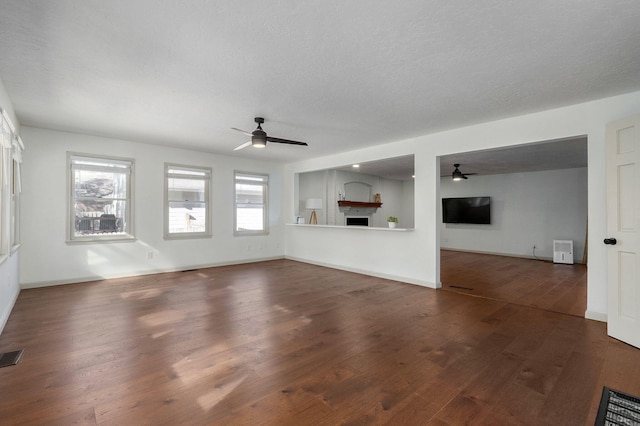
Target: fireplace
x=357 y=221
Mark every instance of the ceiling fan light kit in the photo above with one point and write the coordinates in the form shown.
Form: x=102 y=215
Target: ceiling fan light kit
x=457 y=174
x=259 y=137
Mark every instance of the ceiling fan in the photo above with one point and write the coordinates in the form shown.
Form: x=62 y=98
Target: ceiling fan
x=259 y=137
x=458 y=175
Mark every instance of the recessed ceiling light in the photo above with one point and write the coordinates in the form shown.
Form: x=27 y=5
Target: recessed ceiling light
x=355 y=166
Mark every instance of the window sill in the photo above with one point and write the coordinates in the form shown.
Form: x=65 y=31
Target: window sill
x=4 y=257
x=93 y=240
x=249 y=233
x=186 y=236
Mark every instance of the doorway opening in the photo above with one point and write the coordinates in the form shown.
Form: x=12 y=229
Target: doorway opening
x=538 y=194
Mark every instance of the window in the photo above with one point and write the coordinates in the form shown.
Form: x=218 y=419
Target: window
x=11 y=148
x=251 y=195
x=186 y=194
x=5 y=181
x=4 y=213
x=16 y=189
x=100 y=198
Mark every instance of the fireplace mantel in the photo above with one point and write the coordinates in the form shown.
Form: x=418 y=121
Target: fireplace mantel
x=361 y=204
x=358 y=207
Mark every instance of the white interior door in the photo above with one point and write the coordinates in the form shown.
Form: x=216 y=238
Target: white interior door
x=623 y=226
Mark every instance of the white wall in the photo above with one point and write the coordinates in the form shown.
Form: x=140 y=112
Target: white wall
x=47 y=259
x=414 y=256
x=527 y=209
x=408 y=219
x=392 y=204
x=9 y=276
x=314 y=185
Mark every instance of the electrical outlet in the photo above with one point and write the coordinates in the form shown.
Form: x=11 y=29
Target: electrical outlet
x=150 y=255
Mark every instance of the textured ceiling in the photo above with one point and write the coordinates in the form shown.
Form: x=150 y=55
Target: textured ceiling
x=398 y=168
x=339 y=75
x=550 y=155
x=534 y=157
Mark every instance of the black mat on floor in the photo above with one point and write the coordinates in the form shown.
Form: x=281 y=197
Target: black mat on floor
x=10 y=358
x=618 y=408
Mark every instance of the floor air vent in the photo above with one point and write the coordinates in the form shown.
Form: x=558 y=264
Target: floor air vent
x=10 y=358
x=618 y=408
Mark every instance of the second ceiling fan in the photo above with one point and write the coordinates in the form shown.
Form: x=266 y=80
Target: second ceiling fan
x=259 y=137
x=458 y=175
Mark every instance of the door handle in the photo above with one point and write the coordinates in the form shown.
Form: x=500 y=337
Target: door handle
x=610 y=241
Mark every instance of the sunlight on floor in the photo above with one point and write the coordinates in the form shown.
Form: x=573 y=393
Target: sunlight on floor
x=191 y=368
x=281 y=309
x=162 y=318
x=217 y=367
x=161 y=333
x=211 y=399
x=141 y=294
x=303 y=319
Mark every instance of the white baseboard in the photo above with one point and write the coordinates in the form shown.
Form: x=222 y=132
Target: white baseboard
x=39 y=284
x=596 y=316
x=493 y=253
x=369 y=272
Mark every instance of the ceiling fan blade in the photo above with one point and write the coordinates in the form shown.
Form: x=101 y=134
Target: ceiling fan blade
x=244 y=145
x=241 y=131
x=290 y=142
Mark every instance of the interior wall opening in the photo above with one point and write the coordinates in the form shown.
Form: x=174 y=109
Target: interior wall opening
x=504 y=212
x=359 y=194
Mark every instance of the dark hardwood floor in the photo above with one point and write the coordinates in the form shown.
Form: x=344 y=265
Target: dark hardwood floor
x=539 y=284
x=288 y=343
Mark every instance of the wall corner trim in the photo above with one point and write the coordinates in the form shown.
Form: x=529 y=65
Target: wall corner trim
x=5 y=315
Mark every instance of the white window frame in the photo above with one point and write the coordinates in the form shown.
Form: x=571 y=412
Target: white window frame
x=77 y=161
x=4 y=204
x=5 y=211
x=16 y=189
x=193 y=173
x=253 y=179
x=11 y=148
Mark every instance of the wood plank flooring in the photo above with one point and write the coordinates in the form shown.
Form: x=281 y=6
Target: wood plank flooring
x=539 y=284
x=288 y=343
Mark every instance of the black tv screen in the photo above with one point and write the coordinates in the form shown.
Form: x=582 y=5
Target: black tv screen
x=467 y=210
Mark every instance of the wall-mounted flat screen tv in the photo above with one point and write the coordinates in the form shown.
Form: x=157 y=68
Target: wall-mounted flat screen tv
x=467 y=210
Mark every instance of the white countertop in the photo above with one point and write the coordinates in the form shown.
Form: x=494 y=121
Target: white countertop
x=365 y=228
